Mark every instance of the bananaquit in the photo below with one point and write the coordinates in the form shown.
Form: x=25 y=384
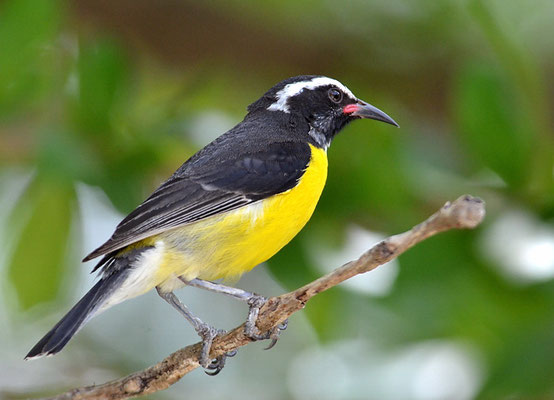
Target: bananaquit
x=230 y=207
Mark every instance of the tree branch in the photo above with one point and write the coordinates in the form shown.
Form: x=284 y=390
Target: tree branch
x=465 y=213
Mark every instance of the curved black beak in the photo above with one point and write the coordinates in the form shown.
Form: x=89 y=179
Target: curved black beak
x=362 y=109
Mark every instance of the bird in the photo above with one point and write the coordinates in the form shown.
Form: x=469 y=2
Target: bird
x=228 y=208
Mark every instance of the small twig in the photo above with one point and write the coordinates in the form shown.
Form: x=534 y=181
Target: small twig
x=465 y=213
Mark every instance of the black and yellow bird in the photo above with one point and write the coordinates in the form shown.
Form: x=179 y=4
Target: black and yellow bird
x=230 y=207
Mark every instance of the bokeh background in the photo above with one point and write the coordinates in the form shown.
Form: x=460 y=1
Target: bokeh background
x=101 y=100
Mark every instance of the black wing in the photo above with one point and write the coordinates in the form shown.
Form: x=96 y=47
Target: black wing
x=225 y=175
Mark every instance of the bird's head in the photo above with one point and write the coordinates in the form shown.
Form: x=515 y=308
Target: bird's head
x=324 y=103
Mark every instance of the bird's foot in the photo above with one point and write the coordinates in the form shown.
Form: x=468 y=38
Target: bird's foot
x=217 y=364
x=205 y=331
x=255 y=303
x=208 y=334
x=275 y=333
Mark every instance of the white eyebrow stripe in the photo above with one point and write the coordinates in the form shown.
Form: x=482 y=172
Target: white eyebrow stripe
x=292 y=89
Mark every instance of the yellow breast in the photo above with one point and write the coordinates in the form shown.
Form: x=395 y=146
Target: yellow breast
x=229 y=244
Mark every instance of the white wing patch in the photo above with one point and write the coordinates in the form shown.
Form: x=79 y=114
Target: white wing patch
x=292 y=89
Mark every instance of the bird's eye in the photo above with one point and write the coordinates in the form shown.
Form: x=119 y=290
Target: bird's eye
x=335 y=95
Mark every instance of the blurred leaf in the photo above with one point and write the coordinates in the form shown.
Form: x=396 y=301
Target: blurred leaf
x=530 y=87
x=26 y=29
x=423 y=293
x=531 y=343
x=290 y=265
x=65 y=158
x=444 y=291
x=329 y=316
x=102 y=81
x=37 y=265
x=366 y=178
x=489 y=118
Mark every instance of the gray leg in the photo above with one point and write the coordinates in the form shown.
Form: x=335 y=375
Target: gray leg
x=205 y=331
x=237 y=293
x=254 y=301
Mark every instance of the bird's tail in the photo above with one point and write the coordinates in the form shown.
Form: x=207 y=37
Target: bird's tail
x=83 y=311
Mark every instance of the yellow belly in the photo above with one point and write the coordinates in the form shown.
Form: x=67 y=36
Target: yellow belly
x=229 y=244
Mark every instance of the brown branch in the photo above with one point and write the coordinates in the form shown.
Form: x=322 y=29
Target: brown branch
x=465 y=213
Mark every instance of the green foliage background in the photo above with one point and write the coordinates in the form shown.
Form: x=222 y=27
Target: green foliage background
x=105 y=94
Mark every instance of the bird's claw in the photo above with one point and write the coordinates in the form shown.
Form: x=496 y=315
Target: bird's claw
x=212 y=366
x=208 y=334
x=250 y=328
x=275 y=333
x=217 y=364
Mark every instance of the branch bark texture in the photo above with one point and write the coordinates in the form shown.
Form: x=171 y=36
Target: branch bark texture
x=464 y=213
